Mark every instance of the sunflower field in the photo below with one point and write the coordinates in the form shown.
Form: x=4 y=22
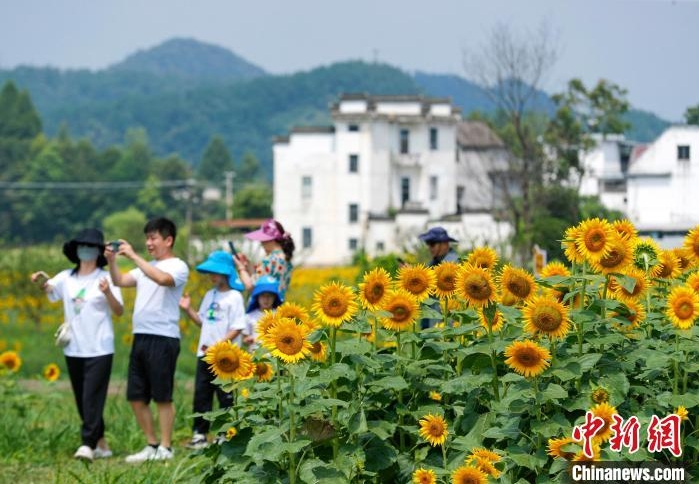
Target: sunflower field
x=522 y=375
x=470 y=372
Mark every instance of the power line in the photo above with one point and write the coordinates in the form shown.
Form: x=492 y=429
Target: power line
x=95 y=185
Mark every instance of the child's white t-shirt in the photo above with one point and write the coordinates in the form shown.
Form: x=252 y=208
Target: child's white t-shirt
x=87 y=310
x=220 y=312
x=157 y=308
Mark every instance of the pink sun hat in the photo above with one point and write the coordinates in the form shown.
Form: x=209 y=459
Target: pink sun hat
x=267 y=231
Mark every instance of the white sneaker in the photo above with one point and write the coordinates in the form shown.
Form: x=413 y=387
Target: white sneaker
x=163 y=453
x=147 y=453
x=101 y=453
x=198 y=442
x=84 y=452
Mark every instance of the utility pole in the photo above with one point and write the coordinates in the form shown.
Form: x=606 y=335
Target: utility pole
x=229 y=194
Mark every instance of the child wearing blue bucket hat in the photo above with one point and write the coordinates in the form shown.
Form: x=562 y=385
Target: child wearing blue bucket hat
x=221 y=316
x=265 y=297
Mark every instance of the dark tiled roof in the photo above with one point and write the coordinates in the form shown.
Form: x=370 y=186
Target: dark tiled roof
x=477 y=134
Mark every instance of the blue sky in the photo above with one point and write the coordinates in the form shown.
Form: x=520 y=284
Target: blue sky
x=646 y=46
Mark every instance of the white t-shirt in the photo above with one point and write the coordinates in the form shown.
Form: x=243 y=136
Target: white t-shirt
x=251 y=320
x=220 y=312
x=156 y=309
x=87 y=310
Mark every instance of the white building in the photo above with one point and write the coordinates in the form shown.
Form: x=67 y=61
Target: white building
x=605 y=170
x=663 y=186
x=386 y=170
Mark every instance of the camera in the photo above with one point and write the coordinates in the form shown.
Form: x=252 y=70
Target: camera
x=115 y=245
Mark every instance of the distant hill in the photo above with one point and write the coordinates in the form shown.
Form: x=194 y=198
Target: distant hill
x=189 y=58
x=183 y=92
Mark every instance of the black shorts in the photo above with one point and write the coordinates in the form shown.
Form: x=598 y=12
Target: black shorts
x=152 y=368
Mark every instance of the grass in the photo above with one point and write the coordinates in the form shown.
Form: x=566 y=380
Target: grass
x=40 y=430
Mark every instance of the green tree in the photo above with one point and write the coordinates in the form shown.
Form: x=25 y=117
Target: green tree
x=134 y=162
x=691 y=115
x=215 y=161
x=18 y=117
x=253 y=201
x=249 y=170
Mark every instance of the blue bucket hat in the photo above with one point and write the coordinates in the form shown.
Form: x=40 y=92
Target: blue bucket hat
x=436 y=234
x=264 y=284
x=220 y=262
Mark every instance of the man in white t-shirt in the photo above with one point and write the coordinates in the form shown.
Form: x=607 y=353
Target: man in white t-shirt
x=159 y=284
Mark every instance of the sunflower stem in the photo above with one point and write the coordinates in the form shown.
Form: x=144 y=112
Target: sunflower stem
x=292 y=430
x=493 y=362
x=607 y=279
x=582 y=306
x=444 y=457
x=333 y=392
x=676 y=366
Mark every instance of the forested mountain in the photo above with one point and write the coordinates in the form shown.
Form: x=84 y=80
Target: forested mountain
x=183 y=92
x=190 y=59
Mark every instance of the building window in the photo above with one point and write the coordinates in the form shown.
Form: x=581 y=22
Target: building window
x=404 y=141
x=433 y=139
x=306 y=187
x=354 y=163
x=353 y=244
x=460 y=190
x=307 y=236
x=353 y=212
x=353 y=128
x=682 y=152
x=380 y=246
x=404 y=190
x=434 y=187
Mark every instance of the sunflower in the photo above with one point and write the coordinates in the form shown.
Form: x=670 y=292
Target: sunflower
x=683 y=256
x=228 y=361
x=266 y=321
x=582 y=457
x=436 y=396
x=334 y=304
x=517 y=282
x=682 y=413
x=693 y=281
x=682 y=307
x=669 y=265
x=288 y=341
x=475 y=285
x=433 y=428
x=231 y=432
x=293 y=311
x=691 y=245
x=572 y=253
x=605 y=412
x=418 y=280
x=469 y=475
x=563 y=448
x=646 y=256
x=52 y=372
x=245 y=393
x=634 y=314
x=484 y=465
x=445 y=279
x=485 y=454
x=403 y=308
x=599 y=395
x=374 y=287
x=319 y=351
x=618 y=257
x=527 y=358
x=484 y=257
x=545 y=315
x=11 y=361
x=554 y=268
x=625 y=229
x=639 y=289
x=424 y=476
x=263 y=371
x=496 y=324
x=593 y=238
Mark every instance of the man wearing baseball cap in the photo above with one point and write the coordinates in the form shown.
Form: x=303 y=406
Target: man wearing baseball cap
x=437 y=240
